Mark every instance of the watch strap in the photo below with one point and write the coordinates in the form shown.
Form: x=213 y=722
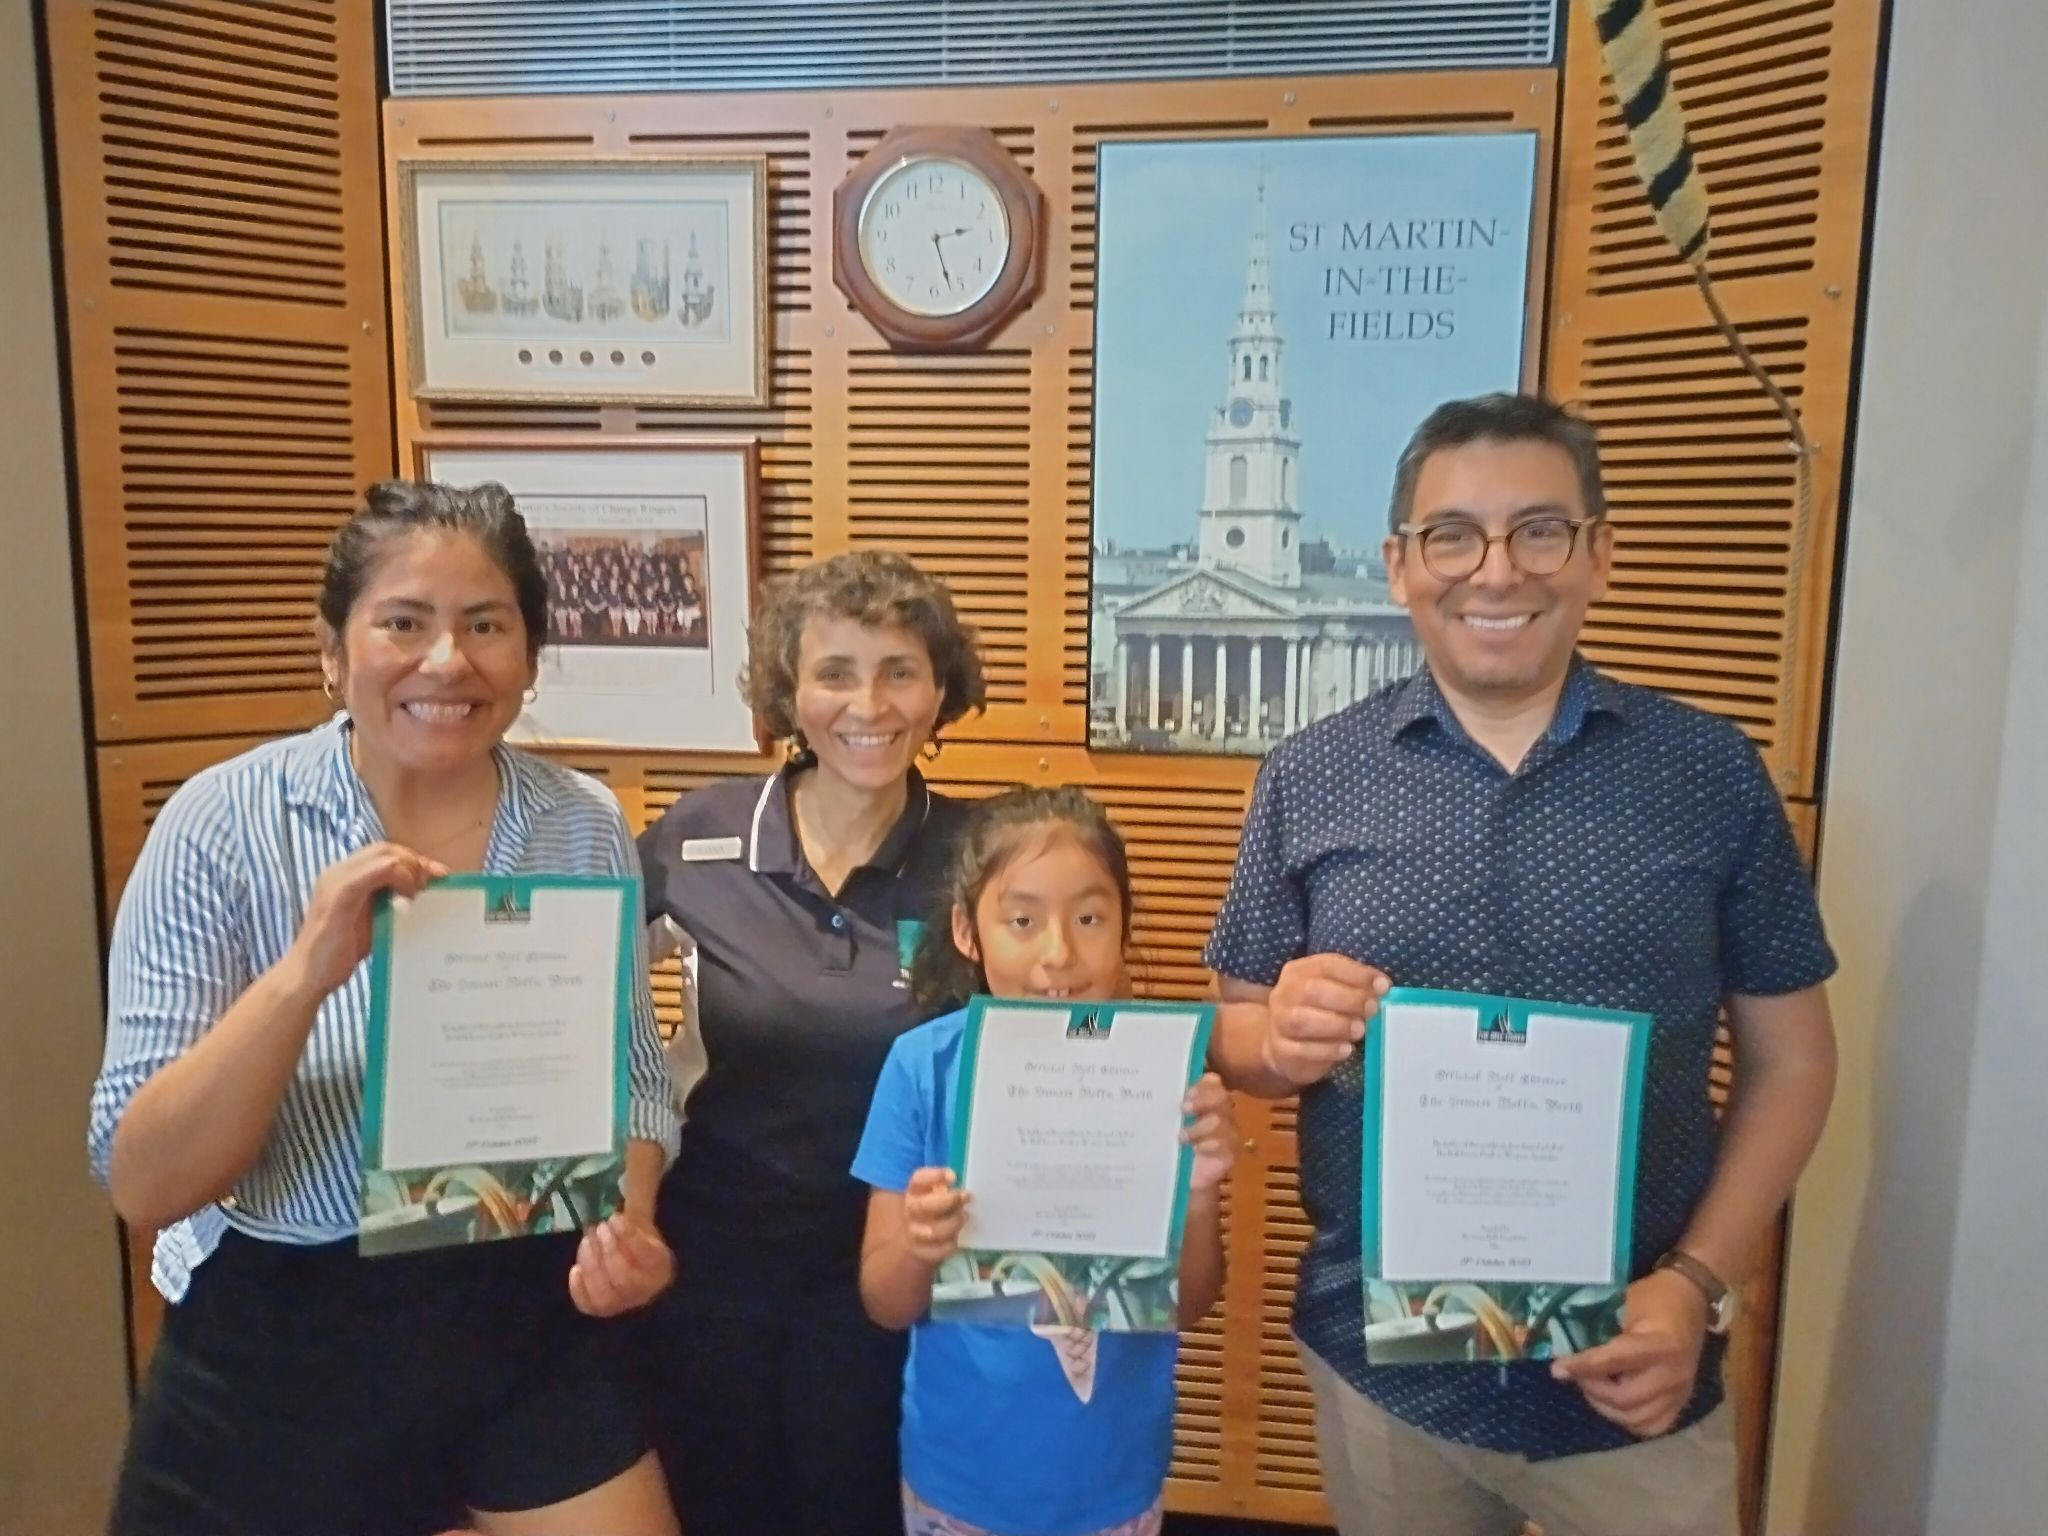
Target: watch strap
x=1711 y=1286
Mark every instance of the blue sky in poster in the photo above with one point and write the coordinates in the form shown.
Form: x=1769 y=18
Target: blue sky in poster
x=1421 y=236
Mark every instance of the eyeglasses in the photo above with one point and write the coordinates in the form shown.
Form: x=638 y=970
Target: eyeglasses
x=1453 y=550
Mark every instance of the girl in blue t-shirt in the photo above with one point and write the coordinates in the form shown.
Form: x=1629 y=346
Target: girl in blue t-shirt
x=1008 y=1431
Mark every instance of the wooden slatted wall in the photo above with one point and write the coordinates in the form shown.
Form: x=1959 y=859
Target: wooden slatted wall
x=219 y=210
x=231 y=370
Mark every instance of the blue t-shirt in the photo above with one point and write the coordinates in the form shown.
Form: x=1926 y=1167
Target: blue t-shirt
x=992 y=1433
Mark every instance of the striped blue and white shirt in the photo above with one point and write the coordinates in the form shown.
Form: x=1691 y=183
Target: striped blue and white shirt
x=216 y=899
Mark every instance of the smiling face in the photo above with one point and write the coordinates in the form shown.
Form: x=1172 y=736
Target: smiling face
x=867 y=699
x=432 y=662
x=1049 y=923
x=1499 y=633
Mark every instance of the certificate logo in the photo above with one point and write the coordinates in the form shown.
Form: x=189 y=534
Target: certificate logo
x=1088 y=1024
x=506 y=909
x=1502 y=1030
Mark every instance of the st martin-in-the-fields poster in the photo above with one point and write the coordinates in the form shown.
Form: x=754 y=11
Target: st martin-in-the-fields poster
x=1273 y=319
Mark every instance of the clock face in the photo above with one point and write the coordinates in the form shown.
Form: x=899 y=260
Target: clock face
x=1240 y=413
x=934 y=235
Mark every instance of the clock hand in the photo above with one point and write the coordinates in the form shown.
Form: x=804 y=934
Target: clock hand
x=941 y=253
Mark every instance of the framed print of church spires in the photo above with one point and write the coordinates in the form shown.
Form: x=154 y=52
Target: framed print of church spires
x=1273 y=319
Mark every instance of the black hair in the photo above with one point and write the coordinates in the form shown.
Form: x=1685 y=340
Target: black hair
x=1498 y=419
x=394 y=509
x=997 y=830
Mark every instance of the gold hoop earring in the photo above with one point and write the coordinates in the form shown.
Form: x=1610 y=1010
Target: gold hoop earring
x=932 y=749
x=533 y=694
x=329 y=691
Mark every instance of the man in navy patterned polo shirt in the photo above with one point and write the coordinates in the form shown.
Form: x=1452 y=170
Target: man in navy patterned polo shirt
x=1511 y=821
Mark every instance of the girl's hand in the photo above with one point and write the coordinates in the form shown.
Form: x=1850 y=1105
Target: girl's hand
x=620 y=1265
x=933 y=1214
x=1211 y=1130
x=335 y=936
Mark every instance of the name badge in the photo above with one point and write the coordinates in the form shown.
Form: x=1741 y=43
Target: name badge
x=710 y=850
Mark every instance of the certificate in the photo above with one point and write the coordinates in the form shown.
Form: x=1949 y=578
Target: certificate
x=1499 y=1175
x=494 y=1100
x=1067 y=1140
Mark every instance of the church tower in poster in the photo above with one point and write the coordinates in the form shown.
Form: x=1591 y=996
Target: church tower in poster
x=1250 y=519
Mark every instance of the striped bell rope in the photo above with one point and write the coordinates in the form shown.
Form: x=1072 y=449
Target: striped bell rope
x=1639 y=66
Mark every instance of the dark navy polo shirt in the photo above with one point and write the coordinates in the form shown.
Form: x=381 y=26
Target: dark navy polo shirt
x=1638 y=859
x=800 y=994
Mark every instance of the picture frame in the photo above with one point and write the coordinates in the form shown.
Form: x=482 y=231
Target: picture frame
x=639 y=279
x=1273 y=318
x=652 y=546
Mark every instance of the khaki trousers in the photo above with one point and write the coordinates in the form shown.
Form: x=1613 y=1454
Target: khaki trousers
x=1386 y=1478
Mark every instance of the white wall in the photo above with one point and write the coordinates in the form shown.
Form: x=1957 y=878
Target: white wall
x=63 y=1372
x=1913 y=1376
x=1991 y=1460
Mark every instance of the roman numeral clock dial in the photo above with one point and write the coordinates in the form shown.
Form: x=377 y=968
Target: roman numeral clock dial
x=936 y=237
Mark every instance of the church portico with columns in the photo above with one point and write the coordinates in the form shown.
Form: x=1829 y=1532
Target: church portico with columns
x=1212 y=663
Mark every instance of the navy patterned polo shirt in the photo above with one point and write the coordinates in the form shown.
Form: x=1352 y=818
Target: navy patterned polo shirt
x=1638 y=859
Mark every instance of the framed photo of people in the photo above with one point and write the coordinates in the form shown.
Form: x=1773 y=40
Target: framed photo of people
x=640 y=279
x=651 y=547
x=1273 y=318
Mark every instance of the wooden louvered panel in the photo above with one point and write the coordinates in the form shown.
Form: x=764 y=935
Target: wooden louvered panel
x=1759 y=80
x=223 y=124
x=217 y=169
x=938 y=468
x=1285 y=1460
x=1715 y=598
x=134 y=784
x=1704 y=491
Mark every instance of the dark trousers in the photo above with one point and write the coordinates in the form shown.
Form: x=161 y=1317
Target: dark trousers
x=776 y=1414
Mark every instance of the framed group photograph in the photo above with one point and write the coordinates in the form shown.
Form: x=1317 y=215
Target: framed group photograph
x=640 y=279
x=651 y=547
x=1273 y=318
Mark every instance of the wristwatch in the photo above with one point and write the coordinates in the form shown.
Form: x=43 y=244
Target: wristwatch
x=1721 y=1300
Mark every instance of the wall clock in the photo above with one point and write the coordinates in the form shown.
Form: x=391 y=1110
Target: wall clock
x=936 y=237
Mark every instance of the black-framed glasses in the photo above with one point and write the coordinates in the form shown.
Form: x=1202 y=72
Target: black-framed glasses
x=1454 y=549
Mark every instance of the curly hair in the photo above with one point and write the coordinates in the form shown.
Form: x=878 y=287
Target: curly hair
x=874 y=587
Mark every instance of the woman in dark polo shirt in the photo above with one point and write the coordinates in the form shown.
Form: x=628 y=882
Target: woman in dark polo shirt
x=774 y=1402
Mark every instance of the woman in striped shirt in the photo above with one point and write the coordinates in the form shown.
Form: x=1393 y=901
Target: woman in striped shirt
x=299 y=1388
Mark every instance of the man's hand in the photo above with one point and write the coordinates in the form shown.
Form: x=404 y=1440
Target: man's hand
x=1316 y=1013
x=1642 y=1378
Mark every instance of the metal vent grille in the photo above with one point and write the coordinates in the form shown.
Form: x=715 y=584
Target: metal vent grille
x=504 y=47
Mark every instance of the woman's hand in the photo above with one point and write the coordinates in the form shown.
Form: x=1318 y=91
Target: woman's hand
x=620 y=1265
x=1211 y=1130
x=933 y=1214
x=335 y=936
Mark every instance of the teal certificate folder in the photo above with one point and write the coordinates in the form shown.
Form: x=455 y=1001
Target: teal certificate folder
x=494 y=1099
x=1067 y=1138
x=1499 y=1175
